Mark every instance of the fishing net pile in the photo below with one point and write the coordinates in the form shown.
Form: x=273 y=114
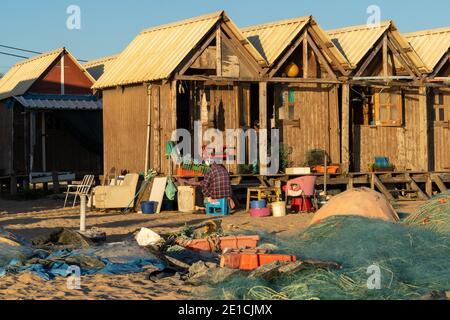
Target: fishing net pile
x=48 y=262
x=434 y=214
x=412 y=262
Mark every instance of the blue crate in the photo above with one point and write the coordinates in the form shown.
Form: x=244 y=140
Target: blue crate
x=218 y=208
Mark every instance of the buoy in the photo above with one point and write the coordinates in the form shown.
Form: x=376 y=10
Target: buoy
x=292 y=70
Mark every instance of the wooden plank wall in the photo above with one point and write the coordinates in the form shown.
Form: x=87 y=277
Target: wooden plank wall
x=5 y=139
x=397 y=143
x=441 y=135
x=317 y=108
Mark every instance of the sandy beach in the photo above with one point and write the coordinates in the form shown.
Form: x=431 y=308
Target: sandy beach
x=32 y=218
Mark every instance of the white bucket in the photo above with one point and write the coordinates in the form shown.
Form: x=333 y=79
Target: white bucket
x=279 y=209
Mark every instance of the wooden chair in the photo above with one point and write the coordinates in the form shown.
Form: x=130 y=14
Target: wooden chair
x=80 y=189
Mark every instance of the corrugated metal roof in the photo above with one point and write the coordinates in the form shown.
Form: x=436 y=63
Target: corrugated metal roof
x=355 y=42
x=19 y=79
x=272 y=39
x=431 y=45
x=60 y=102
x=97 y=67
x=155 y=53
x=22 y=75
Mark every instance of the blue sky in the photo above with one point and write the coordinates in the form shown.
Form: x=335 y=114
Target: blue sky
x=108 y=26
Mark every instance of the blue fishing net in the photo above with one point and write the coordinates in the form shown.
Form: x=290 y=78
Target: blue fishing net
x=114 y=259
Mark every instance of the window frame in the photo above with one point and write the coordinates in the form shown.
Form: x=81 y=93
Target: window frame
x=389 y=122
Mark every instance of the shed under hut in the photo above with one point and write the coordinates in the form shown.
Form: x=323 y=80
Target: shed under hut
x=433 y=46
x=170 y=76
x=386 y=111
x=304 y=76
x=49 y=119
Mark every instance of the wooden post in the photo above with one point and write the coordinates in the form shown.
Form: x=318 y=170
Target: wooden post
x=147 y=144
x=423 y=130
x=305 y=58
x=219 y=51
x=55 y=178
x=44 y=142
x=13 y=184
x=345 y=128
x=385 y=57
x=263 y=144
x=174 y=119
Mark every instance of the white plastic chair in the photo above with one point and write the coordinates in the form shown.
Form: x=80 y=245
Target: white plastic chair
x=80 y=189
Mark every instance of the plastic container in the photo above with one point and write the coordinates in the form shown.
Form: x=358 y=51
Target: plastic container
x=279 y=209
x=149 y=207
x=260 y=213
x=300 y=205
x=261 y=204
x=186 y=199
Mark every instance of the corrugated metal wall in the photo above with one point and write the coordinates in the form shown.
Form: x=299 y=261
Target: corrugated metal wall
x=125 y=128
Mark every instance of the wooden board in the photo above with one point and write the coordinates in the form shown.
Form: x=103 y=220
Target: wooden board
x=158 y=190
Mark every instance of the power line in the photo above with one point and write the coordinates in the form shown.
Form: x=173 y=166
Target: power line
x=13 y=55
x=24 y=50
x=19 y=49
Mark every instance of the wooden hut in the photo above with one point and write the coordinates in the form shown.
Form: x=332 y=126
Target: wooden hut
x=433 y=46
x=49 y=119
x=158 y=83
x=304 y=76
x=386 y=109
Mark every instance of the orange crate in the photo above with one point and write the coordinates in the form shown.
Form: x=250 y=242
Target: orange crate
x=199 y=245
x=269 y=258
x=249 y=261
x=243 y=242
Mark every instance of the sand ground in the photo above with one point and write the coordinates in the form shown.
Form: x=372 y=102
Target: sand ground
x=32 y=218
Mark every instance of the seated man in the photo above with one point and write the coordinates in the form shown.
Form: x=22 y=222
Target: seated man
x=216 y=185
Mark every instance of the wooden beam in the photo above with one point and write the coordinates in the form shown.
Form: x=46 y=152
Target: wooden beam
x=385 y=57
x=286 y=56
x=416 y=188
x=255 y=79
x=305 y=58
x=429 y=186
x=441 y=64
x=345 y=128
x=219 y=51
x=423 y=129
x=398 y=54
x=369 y=59
x=320 y=56
x=241 y=50
x=377 y=182
x=263 y=143
x=326 y=47
x=174 y=118
x=441 y=185
x=197 y=52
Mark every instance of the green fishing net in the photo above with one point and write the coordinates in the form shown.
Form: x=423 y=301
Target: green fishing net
x=412 y=262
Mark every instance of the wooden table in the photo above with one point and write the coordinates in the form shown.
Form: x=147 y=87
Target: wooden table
x=267 y=193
